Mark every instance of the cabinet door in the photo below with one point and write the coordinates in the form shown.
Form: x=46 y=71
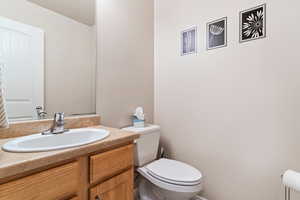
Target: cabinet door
x=74 y=198
x=116 y=188
x=56 y=183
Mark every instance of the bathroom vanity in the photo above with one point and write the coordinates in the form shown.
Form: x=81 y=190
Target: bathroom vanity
x=99 y=171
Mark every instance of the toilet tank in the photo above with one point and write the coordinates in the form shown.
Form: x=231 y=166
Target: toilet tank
x=146 y=147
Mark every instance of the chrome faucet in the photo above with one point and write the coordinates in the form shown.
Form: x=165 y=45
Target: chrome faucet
x=41 y=113
x=58 y=126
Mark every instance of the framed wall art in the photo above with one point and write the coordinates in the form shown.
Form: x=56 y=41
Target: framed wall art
x=216 y=34
x=253 y=23
x=189 y=41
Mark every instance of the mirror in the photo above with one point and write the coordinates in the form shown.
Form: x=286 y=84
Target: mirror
x=47 y=57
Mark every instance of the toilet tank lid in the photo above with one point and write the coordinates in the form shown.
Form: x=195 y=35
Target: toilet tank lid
x=149 y=128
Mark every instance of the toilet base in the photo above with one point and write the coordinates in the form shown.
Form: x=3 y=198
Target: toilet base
x=148 y=191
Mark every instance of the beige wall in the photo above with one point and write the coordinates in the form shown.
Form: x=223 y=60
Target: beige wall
x=80 y=10
x=69 y=56
x=231 y=112
x=125 y=59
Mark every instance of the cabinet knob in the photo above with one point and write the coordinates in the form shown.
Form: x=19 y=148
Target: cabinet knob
x=97 y=198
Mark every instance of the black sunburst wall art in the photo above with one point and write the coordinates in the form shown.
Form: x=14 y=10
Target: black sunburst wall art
x=253 y=23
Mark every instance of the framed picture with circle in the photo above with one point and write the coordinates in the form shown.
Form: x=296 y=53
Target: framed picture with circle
x=216 y=34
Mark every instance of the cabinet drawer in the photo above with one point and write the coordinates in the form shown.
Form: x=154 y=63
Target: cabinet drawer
x=56 y=183
x=108 y=164
x=117 y=188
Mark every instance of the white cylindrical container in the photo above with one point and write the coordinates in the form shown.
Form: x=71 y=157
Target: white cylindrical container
x=146 y=147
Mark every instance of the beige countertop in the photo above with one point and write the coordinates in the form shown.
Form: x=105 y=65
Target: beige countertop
x=12 y=164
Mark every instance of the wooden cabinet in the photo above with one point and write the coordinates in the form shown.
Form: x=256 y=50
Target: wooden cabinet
x=117 y=188
x=110 y=163
x=75 y=198
x=111 y=172
x=56 y=183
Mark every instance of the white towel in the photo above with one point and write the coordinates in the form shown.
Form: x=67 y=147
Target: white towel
x=3 y=115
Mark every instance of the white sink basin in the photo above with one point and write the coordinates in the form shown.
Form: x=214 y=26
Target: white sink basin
x=39 y=142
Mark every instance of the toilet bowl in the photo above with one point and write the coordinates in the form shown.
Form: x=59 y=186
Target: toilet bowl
x=166 y=179
x=162 y=179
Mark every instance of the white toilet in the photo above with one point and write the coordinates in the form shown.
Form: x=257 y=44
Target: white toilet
x=163 y=179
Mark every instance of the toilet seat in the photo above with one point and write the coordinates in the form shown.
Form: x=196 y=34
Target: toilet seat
x=174 y=172
x=173 y=175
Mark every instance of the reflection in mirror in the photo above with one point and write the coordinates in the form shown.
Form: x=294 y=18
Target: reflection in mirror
x=22 y=64
x=47 y=57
